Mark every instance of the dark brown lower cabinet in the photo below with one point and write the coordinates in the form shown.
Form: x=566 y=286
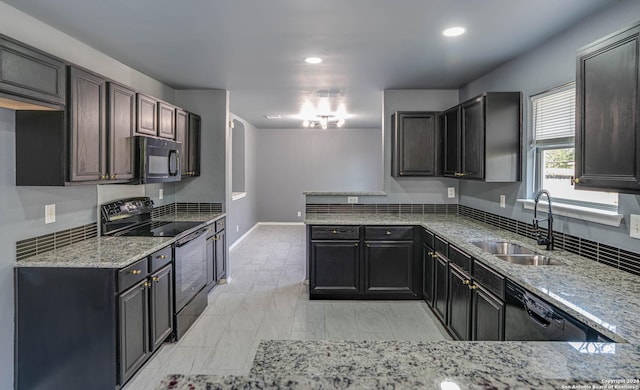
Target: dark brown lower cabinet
x=335 y=267
x=428 y=273
x=440 y=290
x=487 y=316
x=459 y=305
x=211 y=261
x=388 y=267
x=221 y=264
x=146 y=320
x=134 y=329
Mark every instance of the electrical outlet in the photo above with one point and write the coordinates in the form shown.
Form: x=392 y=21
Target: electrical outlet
x=352 y=199
x=503 y=201
x=49 y=213
x=161 y=194
x=634 y=226
x=451 y=192
x=299 y=213
x=237 y=228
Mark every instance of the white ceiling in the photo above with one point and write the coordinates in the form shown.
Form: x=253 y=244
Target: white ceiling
x=256 y=48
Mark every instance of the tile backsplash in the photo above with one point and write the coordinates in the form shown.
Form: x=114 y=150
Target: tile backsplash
x=48 y=242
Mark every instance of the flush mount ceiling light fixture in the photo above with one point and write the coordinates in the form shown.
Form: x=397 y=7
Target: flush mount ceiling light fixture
x=273 y=116
x=313 y=60
x=454 y=31
x=321 y=115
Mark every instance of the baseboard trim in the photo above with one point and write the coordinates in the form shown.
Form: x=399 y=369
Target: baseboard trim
x=242 y=237
x=282 y=223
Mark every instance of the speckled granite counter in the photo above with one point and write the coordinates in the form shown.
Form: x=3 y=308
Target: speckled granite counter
x=112 y=252
x=411 y=365
x=603 y=297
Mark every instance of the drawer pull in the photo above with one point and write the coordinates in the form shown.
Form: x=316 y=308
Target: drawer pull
x=136 y=272
x=388 y=233
x=466 y=281
x=356 y=245
x=155 y=279
x=162 y=257
x=334 y=231
x=473 y=287
x=147 y=284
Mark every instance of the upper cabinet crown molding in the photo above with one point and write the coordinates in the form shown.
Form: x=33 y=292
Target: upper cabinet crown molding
x=608 y=112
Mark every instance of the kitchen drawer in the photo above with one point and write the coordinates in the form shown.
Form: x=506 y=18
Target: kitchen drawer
x=335 y=232
x=427 y=238
x=159 y=259
x=132 y=274
x=220 y=225
x=460 y=258
x=489 y=279
x=389 y=233
x=441 y=246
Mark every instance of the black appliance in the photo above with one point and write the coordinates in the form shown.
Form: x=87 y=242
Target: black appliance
x=132 y=217
x=157 y=160
x=529 y=318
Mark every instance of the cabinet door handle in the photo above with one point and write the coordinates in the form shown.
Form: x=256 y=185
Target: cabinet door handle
x=155 y=279
x=473 y=287
x=136 y=272
x=334 y=231
x=162 y=257
x=147 y=284
x=575 y=180
x=466 y=281
x=388 y=233
x=356 y=245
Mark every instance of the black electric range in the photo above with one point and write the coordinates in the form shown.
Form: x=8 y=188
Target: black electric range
x=132 y=217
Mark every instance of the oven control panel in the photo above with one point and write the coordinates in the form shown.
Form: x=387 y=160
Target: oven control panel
x=125 y=208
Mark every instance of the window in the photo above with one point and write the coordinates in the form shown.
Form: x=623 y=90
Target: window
x=553 y=128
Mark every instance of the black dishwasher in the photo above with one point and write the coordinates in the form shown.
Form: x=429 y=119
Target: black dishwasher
x=529 y=318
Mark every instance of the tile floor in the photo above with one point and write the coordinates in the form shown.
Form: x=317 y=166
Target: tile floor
x=266 y=298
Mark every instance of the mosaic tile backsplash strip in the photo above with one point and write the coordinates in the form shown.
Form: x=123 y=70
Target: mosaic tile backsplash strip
x=381 y=208
x=48 y=242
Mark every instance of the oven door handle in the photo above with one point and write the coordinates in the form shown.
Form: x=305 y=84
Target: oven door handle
x=191 y=237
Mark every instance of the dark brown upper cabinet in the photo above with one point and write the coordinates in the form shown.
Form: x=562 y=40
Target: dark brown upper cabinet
x=121 y=126
x=87 y=126
x=414 y=144
x=147 y=115
x=30 y=74
x=193 y=156
x=607 y=113
x=182 y=130
x=166 y=120
x=482 y=138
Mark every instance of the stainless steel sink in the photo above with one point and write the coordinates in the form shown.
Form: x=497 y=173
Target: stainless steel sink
x=533 y=259
x=515 y=253
x=502 y=248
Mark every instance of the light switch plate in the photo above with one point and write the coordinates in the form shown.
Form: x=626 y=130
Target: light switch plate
x=161 y=194
x=352 y=199
x=299 y=213
x=634 y=226
x=49 y=213
x=451 y=192
x=503 y=201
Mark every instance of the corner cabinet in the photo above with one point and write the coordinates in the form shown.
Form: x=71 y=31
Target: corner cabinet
x=414 y=144
x=607 y=114
x=482 y=138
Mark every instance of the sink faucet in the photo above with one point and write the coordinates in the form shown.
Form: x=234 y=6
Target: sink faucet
x=548 y=241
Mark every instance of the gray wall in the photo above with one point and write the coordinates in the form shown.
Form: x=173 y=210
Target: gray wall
x=212 y=106
x=243 y=213
x=296 y=160
x=549 y=65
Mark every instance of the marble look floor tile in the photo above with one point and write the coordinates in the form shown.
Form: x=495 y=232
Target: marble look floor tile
x=275 y=327
x=377 y=336
x=186 y=360
x=225 y=303
x=145 y=379
x=247 y=317
x=232 y=351
x=340 y=321
x=282 y=304
x=206 y=332
x=371 y=317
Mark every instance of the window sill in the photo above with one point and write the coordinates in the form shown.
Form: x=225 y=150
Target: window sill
x=238 y=195
x=603 y=217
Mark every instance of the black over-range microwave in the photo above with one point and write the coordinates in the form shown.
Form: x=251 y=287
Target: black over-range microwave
x=157 y=160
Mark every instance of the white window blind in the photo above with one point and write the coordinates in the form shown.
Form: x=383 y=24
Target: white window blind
x=554 y=114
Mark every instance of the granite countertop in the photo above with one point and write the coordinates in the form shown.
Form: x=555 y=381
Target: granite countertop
x=112 y=252
x=605 y=298
x=288 y=364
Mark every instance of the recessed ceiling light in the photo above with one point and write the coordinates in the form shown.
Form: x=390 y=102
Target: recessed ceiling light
x=313 y=60
x=273 y=116
x=453 y=31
